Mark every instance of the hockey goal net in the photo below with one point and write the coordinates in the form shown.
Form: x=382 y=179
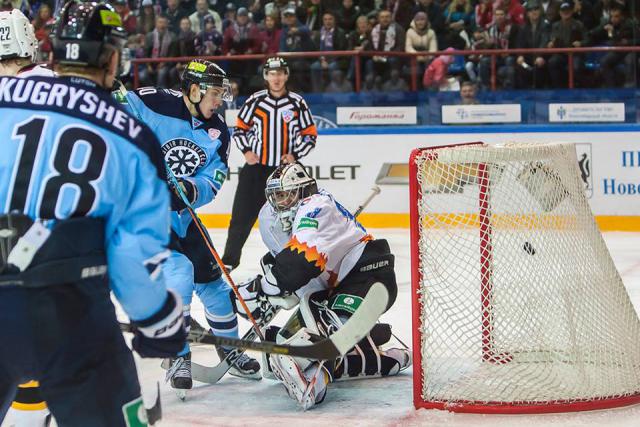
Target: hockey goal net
x=517 y=305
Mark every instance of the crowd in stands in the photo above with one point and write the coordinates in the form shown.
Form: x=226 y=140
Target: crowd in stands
x=177 y=28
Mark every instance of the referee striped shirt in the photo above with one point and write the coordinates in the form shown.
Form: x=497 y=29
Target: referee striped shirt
x=272 y=127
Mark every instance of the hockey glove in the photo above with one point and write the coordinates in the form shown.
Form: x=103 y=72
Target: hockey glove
x=261 y=298
x=189 y=190
x=163 y=334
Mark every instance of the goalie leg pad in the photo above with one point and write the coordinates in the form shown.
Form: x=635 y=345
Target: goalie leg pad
x=308 y=387
x=270 y=334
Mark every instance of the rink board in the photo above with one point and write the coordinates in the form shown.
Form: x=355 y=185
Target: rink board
x=349 y=161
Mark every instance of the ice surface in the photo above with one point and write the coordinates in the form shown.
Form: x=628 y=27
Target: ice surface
x=376 y=402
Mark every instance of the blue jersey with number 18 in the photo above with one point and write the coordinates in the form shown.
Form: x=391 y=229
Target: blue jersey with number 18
x=69 y=150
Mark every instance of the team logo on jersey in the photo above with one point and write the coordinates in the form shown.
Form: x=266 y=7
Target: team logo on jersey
x=287 y=115
x=195 y=122
x=213 y=134
x=183 y=157
x=313 y=213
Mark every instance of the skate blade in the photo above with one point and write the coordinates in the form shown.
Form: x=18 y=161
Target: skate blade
x=255 y=376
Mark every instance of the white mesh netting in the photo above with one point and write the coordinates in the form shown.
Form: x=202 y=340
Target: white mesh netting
x=521 y=302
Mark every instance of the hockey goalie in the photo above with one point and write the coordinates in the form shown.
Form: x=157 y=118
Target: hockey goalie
x=323 y=260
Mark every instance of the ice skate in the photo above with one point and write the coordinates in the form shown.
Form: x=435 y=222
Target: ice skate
x=244 y=367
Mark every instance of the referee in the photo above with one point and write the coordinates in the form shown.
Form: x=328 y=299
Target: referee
x=274 y=126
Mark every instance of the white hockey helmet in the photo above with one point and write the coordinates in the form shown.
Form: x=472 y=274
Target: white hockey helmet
x=286 y=187
x=17 y=39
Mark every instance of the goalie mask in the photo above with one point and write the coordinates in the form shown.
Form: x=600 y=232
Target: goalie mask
x=287 y=186
x=17 y=39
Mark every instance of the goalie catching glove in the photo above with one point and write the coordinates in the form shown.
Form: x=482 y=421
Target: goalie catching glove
x=163 y=334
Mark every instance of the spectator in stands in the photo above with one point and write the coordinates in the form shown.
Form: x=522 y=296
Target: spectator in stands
x=421 y=38
x=338 y=83
x=395 y=83
x=551 y=10
x=386 y=36
x=458 y=19
x=183 y=45
x=372 y=83
x=436 y=18
x=314 y=12
x=270 y=35
x=174 y=14
x=367 y=6
x=296 y=37
x=146 y=19
x=401 y=11
x=202 y=11
x=567 y=32
x=229 y=16
x=435 y=76
x=256 y=8
x=157 y=44
x=42 y=25
x=208 y=42
x=358 y=40
x=346 y=16
x=583 y=12
x=513 y=9
x=502 y=35
x=330 y=38
x=484 y=15
x=129 y=21
x=42 y=19
x=618 y=31
x=468 y=93
x=480 y=41
x=242 y=36
x=531 y=70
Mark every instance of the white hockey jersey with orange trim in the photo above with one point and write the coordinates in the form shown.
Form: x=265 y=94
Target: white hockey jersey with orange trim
x=324 y=233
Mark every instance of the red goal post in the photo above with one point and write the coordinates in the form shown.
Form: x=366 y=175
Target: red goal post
x=517 y=306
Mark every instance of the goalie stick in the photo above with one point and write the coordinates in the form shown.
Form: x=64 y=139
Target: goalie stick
x=213 y=374
x=335 y=345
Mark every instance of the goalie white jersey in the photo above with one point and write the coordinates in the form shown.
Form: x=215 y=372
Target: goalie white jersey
x=324 y=243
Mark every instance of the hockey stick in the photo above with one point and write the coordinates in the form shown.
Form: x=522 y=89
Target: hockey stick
x=337 y=344
x=375 y=190
x=213 y=374
x=201 y=229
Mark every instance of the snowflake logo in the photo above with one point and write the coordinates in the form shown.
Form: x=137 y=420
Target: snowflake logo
x=183 y=157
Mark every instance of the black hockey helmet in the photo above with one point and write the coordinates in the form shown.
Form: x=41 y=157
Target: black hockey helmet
x=84 y=31
x=274 y=63
x=206 y=74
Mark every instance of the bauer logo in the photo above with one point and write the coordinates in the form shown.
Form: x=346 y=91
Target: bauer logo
x=583 y=151
x=183 y=156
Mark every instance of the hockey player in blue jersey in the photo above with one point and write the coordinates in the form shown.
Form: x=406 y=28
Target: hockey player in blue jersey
x=84 y=209
x=195 y=144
